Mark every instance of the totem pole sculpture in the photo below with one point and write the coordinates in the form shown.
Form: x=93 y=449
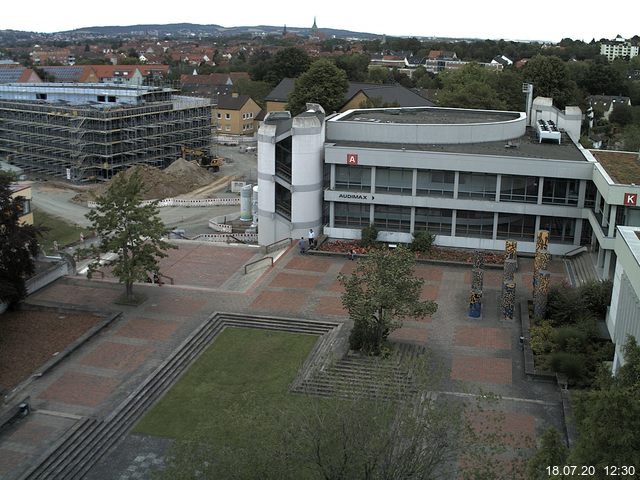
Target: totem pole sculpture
x=508 y=281
x=477 y=280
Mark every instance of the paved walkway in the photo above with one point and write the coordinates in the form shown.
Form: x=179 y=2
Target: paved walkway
x=475 y=354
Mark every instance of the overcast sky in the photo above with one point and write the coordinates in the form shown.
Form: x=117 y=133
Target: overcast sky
x=514 y=20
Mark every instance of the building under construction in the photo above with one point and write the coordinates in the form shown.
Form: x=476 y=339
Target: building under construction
x=91 y=131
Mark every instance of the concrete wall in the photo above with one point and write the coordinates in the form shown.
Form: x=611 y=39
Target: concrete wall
x=408 y=133
x=623 y=317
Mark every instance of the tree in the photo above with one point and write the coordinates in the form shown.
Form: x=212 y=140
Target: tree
x=130 y=229
x=469 y=87
x=290 y=62
x=323 y=83
x=385 y=433
x=550 y=78
x=18 y=245
x=355 y=66
x=552 y=451
x=622 y=115
x=378 y=294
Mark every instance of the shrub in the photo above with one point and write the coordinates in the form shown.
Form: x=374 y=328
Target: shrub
x=570 y=339
x=565 y=306
x=369 y=236
x=596 y=296
x=542 y=338
x=422 y=241
x=570 y=364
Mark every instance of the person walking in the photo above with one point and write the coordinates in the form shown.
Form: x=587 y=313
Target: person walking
x=302 y=244
x=312 y=238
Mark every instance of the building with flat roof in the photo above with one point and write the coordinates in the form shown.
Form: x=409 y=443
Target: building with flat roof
x=82 y=131
x=472 y=177
x=623 y=316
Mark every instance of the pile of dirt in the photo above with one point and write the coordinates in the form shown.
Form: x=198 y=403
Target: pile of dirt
x=178 y=178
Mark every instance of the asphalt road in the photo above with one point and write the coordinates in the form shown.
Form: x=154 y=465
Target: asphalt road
x=56 y=200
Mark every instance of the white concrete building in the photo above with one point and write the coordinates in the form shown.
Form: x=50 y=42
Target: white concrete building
x=472 y=177
x=623 y=317
x=619 y=48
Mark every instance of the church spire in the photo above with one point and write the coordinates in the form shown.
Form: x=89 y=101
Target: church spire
x=314 y=27
x=284 y=30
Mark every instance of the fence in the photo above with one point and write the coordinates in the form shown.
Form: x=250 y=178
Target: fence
x=227 y=237
x=220 y=227
x=186 y=202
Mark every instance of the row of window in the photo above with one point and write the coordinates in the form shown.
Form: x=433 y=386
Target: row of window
x=227 y=128
x=469 y=223
x=227 y=116
x=441 y=183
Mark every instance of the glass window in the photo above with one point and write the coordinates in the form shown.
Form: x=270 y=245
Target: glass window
x=351 y=214
x=561 y=230
x=394 y=180
x=471 y=223
x=590 y=195
x=283 y=201
x=392 y=218
x=516 y=188
x=353 y=178
x=477 y=185
x=434 y=220
x=436 y=183
x=227 y=116
x=516 y=226
x=560 y=191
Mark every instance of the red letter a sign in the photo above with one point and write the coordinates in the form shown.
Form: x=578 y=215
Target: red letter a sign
x=352 y=159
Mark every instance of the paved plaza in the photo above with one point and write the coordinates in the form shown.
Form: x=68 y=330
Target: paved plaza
x=476 y=354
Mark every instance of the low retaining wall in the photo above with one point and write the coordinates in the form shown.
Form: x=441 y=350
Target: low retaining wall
x=227 y=237
x=220 y=227
x=41 y=280
x=186 y=202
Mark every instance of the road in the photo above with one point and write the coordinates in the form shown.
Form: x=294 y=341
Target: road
x=56 y=199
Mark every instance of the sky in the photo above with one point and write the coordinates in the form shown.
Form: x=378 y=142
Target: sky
x=512 y=20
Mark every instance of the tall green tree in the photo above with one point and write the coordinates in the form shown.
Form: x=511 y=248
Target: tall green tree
x=550 y=78
x=355 y=66
x=323 y=83
x=471 y=87
x=130 y=229
x=18 y=245
x=380 y=292
x=289 y=62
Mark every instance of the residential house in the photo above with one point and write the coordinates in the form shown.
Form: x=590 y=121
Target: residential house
x=619 y=48
x=235 y=115
x=23 y=191
x=358 y=95
x=18 y=74
x=606 y=103
x=502 y=60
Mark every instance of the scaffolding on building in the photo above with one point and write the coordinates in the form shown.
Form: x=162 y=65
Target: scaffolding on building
x=82 y=142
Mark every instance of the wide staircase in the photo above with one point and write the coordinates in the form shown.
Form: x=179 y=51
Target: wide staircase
x=75 y=454
x=580 y=269
x=363 y=376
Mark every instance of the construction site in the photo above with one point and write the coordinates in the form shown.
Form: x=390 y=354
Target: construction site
x=93 y=131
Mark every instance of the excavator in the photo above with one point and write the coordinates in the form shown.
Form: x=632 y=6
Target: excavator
x=202 y=158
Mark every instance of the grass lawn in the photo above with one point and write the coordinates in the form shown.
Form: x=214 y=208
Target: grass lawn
x=244 y=374
x=60 y=230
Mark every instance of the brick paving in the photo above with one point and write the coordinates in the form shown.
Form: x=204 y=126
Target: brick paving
x=484 y=337
x=147 y=328
x=481 y=369
x=94 y=380
x=80 y=389
x=117 y=356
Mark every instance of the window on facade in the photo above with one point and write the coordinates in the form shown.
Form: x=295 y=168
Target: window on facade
x=283 y=201
x=516 y=188
x=102 y=98
x=283 y=159
x=227 y=116
x=41 y=96
x=561 y=230
x=434 y=220
x=227 y=128
x=516 y=226
x=477 y=185
x=111 y=99
x=397 y=180
x=351 y=215
x=590 y=195
x=560 y=191
x=436 y=183
x=392 y=218
x=474 y=224
x=353 y=178
x=219 y=115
